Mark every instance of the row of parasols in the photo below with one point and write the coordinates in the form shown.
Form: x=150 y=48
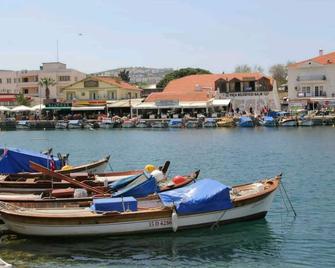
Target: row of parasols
x=22 y=108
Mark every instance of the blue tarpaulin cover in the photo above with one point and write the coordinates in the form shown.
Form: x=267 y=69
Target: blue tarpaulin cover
x=268 y=118
x=116 y=185
x=140 y=187
x=114 y=204
x=204 y=195
x=17 y=160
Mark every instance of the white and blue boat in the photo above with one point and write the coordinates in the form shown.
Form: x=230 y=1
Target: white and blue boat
x=176 y=123
x=245 y=121
x=268 y=121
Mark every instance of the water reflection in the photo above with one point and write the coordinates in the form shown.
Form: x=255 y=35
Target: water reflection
x=250 y=240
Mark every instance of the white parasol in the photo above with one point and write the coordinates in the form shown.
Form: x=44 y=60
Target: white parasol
x=21 y=108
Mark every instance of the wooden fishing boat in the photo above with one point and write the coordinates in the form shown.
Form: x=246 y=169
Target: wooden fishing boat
x=225 y=122
x=38 y=182
x=138 y=186
x=208 y=203
x=245 y=121
x=14 y=161
x=288 y=122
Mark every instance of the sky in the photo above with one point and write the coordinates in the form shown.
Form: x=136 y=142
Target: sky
x=212 y=34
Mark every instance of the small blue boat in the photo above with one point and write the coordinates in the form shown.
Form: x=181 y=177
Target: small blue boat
x=17 y=160
x=268 y=121
x=245 y=121
x=176 y=123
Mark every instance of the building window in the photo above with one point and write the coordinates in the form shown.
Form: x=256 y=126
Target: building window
x=111 y=95
x=136 y=95
x=70 y=96
x=9 y=80
x=129 y=95
x=64 y=78
x=25 y=91
x=0 y=81
x=94 y=95
x=83 y=94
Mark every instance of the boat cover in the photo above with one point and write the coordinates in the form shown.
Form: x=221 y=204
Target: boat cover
x=175 y=121
x=17 y=160
x=204 y=195
x=140 y=187
x=114 y=204
x=268 y=118
x=116 y=185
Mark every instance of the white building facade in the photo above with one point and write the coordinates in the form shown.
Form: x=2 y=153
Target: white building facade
x=27 y=81
x=312 y=79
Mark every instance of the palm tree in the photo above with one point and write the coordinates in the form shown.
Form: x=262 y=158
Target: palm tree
x=46 y=82
x=22 y=100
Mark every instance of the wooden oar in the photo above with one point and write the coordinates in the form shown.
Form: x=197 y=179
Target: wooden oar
x=60 y=176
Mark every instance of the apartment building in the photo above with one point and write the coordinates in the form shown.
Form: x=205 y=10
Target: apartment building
x=312 y=80
x=27 y=81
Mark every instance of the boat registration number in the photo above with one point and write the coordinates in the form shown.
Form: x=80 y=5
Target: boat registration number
x=158 y=223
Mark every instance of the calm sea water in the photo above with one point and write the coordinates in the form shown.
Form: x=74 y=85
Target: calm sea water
x=305 y=156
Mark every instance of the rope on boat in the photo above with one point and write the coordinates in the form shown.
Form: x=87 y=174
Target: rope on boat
x=283 y=199
x=288 y=198
x=216 y=224
x=110 y=166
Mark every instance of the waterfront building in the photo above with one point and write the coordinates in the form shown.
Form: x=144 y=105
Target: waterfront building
x=311 y=82
x=95 y=92
x=27 y=81
x=214 y=93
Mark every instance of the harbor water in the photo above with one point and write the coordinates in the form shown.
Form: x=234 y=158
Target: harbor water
x=305 y=156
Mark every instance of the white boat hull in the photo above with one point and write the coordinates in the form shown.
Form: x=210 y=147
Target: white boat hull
x=253 y=210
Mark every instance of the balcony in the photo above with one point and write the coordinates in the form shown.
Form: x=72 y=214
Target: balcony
x=307 y=95
x=315 y=77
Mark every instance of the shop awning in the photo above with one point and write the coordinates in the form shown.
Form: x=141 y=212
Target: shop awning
x=88 y=108
x=146 y=105
x=124 y=103
x=223 y=102
x=58 y=108
x=193 y=104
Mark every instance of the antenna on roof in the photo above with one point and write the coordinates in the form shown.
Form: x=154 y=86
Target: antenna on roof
x=57 y=51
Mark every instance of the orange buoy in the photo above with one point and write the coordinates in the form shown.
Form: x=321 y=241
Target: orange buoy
x=178 y=179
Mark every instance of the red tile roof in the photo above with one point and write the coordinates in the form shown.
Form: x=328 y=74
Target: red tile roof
x=116 y=82
x=324 y=60
x=184 y=89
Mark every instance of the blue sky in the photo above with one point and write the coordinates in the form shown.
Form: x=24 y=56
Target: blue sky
x=211 y=34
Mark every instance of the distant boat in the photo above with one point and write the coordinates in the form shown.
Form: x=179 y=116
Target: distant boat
x=74 y=124
x=61 y=125
x=176 y=123
x=142 y=124
x=106 y=123
x=193 y=124
x=268 y=121
x=204 y=203
x=245 y=121
x=225 y=122
x=159 y=124
x=128 y=124
x=288 y=122
x=209 y=122
x=23 y=124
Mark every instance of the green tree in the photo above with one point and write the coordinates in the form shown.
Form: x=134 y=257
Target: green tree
x=179 y=74
x=22 y=100
x=47 y=82
x=245 y=68
x=279 y=72
x=124 y=75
